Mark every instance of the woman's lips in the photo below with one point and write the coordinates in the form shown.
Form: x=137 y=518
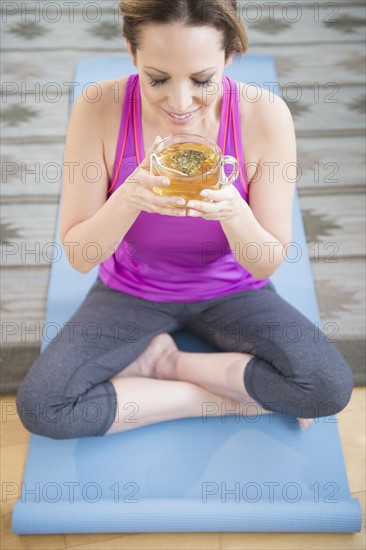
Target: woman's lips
x=183 y=119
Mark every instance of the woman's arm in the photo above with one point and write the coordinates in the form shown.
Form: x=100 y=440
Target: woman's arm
x=91 y=226
x=263 y=226
x=92 y=241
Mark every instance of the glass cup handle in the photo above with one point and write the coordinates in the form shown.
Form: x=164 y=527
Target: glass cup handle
x=228 y=159
x=152 y=158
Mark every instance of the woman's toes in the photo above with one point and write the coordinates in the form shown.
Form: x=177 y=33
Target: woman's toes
x=147 y=363
x=305 y=422
x=164 y=342
x=151 y=358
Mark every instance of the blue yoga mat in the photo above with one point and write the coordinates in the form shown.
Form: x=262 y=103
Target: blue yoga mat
x=229 y=473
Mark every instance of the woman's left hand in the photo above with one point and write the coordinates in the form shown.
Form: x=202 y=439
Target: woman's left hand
x=227 y=204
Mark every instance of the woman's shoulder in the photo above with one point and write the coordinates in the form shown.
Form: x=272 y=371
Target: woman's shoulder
x=261 y=112
x=103 y=100
x=111 y=91
x=260 y=106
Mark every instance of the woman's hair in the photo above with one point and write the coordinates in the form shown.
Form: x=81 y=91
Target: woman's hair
x=220 y=14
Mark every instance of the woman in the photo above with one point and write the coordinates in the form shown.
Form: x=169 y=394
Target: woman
x=156 y=273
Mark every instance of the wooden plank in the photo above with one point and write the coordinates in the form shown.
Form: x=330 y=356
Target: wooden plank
x=290 y=24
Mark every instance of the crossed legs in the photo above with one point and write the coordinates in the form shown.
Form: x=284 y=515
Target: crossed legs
x=165 y=383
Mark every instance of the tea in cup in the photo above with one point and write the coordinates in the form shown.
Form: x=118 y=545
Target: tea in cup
x=192 y=163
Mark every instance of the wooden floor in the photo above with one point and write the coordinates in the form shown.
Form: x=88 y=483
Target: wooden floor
x=14 y=445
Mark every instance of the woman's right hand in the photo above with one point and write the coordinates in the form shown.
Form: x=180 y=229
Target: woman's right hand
x=138 y=192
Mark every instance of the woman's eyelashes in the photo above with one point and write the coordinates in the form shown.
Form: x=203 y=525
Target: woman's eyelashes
x=204 y=84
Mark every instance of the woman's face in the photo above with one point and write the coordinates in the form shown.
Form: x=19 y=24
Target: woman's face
x=180 y=71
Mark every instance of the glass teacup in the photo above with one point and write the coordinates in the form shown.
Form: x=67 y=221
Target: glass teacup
x=192 y=163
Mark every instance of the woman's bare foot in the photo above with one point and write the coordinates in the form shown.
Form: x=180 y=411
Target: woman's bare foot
x=305 y=422
x=156 y=361
x=159 y=361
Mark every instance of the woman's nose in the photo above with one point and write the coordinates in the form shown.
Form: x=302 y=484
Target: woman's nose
x=181 y=100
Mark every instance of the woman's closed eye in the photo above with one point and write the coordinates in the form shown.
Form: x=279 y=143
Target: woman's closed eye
x=204 y=84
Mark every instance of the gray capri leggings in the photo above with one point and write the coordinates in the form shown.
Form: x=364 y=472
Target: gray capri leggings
x=67 y=392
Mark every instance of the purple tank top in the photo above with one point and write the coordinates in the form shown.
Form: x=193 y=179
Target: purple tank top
x=168 y=258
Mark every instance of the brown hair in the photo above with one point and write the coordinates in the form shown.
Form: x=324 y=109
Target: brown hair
x=220 y=14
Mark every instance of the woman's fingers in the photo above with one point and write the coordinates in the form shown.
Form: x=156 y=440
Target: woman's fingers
x=166 y=205
x=144 y=195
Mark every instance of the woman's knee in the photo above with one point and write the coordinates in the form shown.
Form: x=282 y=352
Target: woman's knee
x=337 y=381
x=54 y=414
x=38 y=411
x=331 y=384
x=313 y=384
x=41 y=403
